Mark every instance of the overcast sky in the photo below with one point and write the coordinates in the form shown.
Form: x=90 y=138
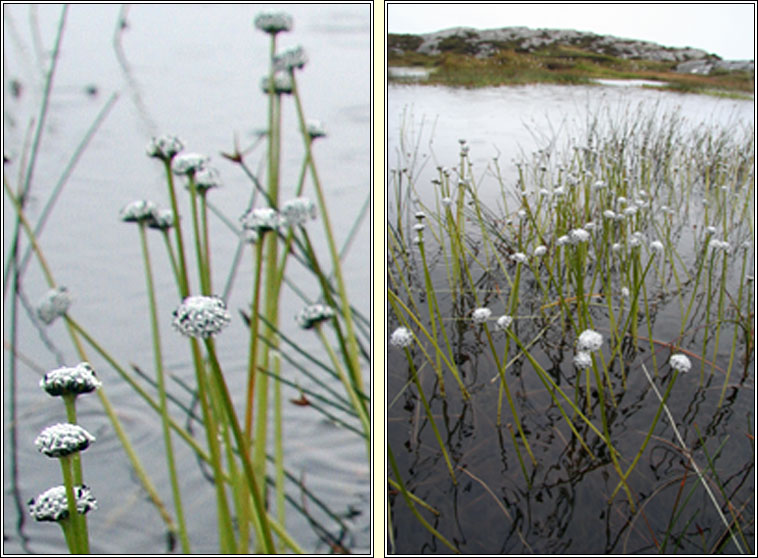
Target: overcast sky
x=725 y=29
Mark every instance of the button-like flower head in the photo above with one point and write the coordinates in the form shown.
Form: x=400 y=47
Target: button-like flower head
x=315 y=129
x=162 y=219
x=273 y=23
x=282 y=83
x=589 y=341
x=188 y=163
x=261 y=219
x=67 y=381
x=207 y=178
x=582 y=360
x=290 y=59
x=201 y=316
x=314 y=314
x=401 y=337
x=52 y=504
x=297 y=212
x=504 y=322
x=55 y=303
x=164 y=147
x=481 y=315
x=138 y=211
x=680 y=362
x=63 y=439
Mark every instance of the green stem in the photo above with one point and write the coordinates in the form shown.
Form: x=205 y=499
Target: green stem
x=252 y=371
x=242 y=446
x=162 y=392
x=184 y=285
x=355 y=368
x=78 y=530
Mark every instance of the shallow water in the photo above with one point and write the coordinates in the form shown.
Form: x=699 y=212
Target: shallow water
x=565 y=509
x=506 y=123
x=193 y=71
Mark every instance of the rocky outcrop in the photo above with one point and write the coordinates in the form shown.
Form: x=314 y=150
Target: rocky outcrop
x=706 y=67
x=485 y=43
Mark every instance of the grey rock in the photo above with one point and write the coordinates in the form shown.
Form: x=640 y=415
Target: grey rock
x=482 y=43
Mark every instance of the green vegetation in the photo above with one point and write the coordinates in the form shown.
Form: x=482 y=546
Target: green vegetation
x=457 y=66
x=570 y=340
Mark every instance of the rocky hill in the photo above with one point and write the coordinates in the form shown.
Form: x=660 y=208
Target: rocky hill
x=483 y=44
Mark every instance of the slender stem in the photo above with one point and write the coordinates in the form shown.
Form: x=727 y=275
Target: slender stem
x=184 y=285
x=346 y=310
x=202 y=267
x=242 y=445
x=78 y=534
x=162 y=392
x=253 y=325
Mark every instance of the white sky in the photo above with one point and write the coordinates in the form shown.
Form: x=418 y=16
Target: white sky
x=725 y=29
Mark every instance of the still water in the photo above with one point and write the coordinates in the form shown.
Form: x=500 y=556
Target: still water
x=193 y=71
x=565 y=509
x=506 y=123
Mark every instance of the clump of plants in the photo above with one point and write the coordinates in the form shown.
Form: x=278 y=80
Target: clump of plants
x=564 y=327
x=237 y=438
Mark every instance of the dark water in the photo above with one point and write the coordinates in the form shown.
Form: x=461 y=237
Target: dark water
x=193 y=71
x=565 y=506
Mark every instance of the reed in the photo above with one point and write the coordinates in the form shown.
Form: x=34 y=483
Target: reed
x=586 y=252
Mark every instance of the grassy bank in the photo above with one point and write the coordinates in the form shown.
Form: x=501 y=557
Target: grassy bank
x=561 y=64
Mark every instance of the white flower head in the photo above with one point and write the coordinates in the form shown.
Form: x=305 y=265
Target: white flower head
x=297 y=212
x=503 y=322
x=164 y=147
x=290 y=59
x=63 y=439
x=55 y=303
x=540 y=251
x=625 y=292
x=52 y=504
x=401 y=337
x=315 y=129
x=609 y=214
x=313 y=314
x=721 y=245
x=207 y=178
x=138 y=211
x=273 y=22
x=66 y=381
x=447 y=202
x=519 y=257
x=582 y=360
x=188 y=163
x=481 y=315
x=162 y=219
x=578 y=236
x=262 y=219
x=562 y=240
x=589 y=341
x=419 y=227
x=680 y=362
x=282 y=83
x=709 y=230
x=616 y=247
x=201 y=316
x=656 y=246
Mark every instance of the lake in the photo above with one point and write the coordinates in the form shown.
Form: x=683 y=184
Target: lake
x=561 y=504
x=194 y=71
